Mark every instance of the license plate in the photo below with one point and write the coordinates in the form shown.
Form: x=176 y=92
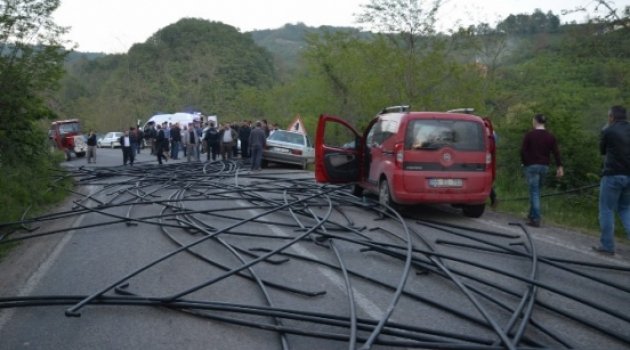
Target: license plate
x=281 y=150
x=445 y=182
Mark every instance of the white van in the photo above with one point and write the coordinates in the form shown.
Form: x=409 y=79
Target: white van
x=180 y=117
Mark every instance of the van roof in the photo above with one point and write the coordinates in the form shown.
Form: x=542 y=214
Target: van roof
x=430 y=115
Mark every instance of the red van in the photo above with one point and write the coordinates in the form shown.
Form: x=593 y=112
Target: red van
x=411 y=157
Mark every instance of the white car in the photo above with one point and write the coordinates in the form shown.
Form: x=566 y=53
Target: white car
x=289 y=147
x=111 y=139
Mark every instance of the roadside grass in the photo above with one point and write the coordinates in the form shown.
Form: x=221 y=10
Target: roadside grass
x=29 y=189
x=576 y=210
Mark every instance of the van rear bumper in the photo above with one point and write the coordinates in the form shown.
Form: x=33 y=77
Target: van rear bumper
x=416 y=188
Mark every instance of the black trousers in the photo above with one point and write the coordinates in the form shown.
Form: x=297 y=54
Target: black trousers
x=128 y=155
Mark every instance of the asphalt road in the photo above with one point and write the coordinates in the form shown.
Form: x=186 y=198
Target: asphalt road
x=128 y=226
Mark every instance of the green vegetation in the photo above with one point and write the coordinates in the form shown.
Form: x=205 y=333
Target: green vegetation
x=526 y=64
x=31 y=64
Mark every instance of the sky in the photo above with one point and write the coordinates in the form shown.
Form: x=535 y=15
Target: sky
x=113 y=26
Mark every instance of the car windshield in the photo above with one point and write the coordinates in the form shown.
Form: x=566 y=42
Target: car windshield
x=289 y=137
x=435 y=134
x=68 y=127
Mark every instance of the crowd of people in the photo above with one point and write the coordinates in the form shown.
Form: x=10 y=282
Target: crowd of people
x=217 y=142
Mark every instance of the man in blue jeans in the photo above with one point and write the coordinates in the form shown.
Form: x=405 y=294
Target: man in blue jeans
x=614 y=189
x=536 y=150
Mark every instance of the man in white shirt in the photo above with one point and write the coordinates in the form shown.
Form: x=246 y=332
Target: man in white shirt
x=125 y=145
x=228 y=135
x=191 y=140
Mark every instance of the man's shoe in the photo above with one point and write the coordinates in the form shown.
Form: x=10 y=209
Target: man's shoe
x=601 y=250
x=533 y=223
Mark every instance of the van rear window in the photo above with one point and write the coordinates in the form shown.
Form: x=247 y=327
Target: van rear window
x=435 y=134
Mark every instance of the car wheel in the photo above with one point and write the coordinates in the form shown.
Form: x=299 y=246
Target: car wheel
x=384 y=196
x=474 y=211
x=304 y=164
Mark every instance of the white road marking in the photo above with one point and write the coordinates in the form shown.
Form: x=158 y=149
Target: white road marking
x=41 y=271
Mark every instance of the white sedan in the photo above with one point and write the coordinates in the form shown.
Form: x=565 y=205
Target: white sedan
x=111 y=139
x=289 y=147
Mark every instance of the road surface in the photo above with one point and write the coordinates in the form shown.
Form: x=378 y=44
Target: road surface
x=198 y=255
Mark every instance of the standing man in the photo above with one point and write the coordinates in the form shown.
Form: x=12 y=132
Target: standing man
x=538 y=145
x=135 y=142
x=176 y=140
x=199 y=134
x=151 y=136
x=614 y=189
x=243 y=135
x=160 y=140
x=212 y=139
x=91 y=143
x=127 y=150
x=191 y=139
x=257 y=141
x=228 y=136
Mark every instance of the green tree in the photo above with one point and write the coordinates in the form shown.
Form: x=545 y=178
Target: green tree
x=409 y=19
x=31 y=63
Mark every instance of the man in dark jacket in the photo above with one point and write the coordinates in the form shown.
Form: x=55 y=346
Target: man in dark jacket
x=614 y=189
x=211 y=137
x=536 y=150
x=257 y=141
x=243 y=135
x=176 y=140
x=91 y=143
x=160 y=140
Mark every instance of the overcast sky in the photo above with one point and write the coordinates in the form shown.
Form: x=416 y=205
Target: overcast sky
x=113 y=26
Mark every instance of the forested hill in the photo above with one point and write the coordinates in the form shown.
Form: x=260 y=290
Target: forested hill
x=192 y=64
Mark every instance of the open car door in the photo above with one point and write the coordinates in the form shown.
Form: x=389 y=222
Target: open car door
x=338 y=151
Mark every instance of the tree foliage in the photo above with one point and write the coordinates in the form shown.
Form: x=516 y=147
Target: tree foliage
x=193 y=64
x=31 y=63
x=524 y=24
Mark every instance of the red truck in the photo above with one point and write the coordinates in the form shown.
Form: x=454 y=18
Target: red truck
x=66 y=136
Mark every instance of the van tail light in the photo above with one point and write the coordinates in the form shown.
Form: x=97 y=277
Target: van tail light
x=399 y=154
x=297 y=152
x=488 y=159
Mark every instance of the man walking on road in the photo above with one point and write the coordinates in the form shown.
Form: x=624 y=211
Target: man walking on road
x=614 y=189
x=537 y=147
x=160 y=140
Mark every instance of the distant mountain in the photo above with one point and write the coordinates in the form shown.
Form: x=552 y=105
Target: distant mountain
x=287 y=43
x=75 y=56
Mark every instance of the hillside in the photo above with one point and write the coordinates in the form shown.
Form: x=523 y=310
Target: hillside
x=288 y=42
x=192 y=64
